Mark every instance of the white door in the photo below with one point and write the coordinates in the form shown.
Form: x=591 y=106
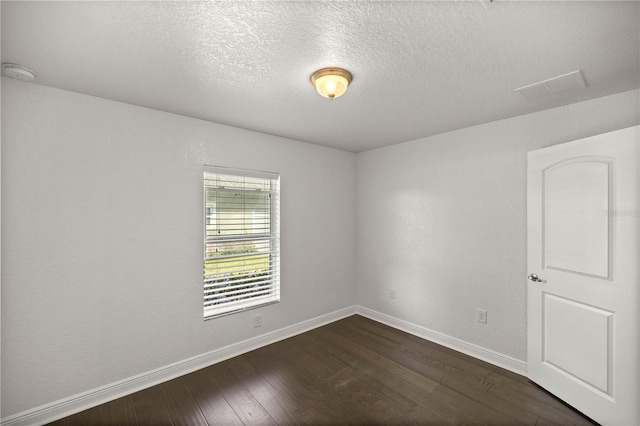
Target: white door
x=582 y=298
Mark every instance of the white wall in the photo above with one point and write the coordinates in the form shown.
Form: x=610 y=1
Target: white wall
x=442 y=221
x=102 y=239
x=102 y=251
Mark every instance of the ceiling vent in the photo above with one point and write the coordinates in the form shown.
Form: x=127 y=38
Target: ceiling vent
x=553 y=86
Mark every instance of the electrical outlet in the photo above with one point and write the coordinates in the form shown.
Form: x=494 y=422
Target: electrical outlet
x=257 y=321
x=481 y=316
x=392 y=294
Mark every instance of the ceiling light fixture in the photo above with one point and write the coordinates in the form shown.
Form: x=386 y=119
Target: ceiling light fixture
x=331 y=82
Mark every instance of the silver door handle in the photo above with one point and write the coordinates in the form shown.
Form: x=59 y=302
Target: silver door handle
x=535 y=278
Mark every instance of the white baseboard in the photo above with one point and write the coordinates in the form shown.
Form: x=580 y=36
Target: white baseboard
x=83 y=401
x=512 y=364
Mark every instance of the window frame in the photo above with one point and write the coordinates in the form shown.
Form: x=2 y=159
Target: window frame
x=272 y=281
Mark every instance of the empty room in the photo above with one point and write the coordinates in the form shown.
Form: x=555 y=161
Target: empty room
x=320 y=212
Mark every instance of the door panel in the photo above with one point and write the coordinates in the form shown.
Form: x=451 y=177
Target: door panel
x=583 y=356
x=582 y=297
x=576 y=225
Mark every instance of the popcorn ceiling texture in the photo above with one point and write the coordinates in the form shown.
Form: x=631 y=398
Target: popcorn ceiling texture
x=420 y=68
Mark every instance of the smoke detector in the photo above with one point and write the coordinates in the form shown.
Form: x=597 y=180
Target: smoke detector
x=19 y=72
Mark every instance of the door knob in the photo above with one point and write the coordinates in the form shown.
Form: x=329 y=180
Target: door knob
x=534 y=278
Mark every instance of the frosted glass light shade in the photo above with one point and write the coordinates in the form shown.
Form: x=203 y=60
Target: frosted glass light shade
x=331 y=82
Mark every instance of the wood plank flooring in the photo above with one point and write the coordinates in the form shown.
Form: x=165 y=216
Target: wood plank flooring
x=353 y=371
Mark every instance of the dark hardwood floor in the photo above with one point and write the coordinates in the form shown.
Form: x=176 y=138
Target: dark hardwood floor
x=353 y=371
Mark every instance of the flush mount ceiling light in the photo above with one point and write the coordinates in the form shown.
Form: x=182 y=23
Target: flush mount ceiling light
x=331 y=82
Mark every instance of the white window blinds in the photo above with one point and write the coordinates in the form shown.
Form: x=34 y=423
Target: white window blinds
x=241 y=241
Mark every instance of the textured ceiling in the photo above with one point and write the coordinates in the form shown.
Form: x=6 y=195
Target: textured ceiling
x=419 y=68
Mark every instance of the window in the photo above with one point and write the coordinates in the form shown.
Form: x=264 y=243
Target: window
x=241 y=240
